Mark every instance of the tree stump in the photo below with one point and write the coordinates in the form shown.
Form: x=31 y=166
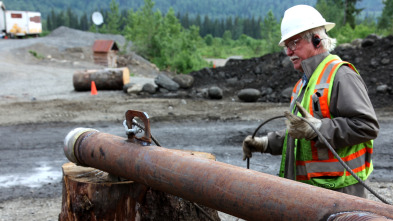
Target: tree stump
x=91 y=194
x=105 y=79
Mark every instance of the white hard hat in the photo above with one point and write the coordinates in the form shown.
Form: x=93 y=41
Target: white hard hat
x=300 y=18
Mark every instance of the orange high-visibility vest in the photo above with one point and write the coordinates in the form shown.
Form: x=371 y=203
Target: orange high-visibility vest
x=318 y=166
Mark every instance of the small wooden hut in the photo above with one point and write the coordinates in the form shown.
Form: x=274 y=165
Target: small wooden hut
x=105 y=52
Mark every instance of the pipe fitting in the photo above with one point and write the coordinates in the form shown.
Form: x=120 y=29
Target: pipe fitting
x=70 y=140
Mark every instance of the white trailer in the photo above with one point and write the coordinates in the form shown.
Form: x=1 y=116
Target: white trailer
x=19 y=23
x=2 y=18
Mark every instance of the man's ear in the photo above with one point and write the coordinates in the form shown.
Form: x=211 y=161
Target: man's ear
x=316 y=41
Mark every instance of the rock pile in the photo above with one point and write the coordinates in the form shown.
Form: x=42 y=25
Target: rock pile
x=270 y=78
x=273 y=75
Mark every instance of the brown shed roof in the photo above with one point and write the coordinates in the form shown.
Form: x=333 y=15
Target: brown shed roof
x=104 y=46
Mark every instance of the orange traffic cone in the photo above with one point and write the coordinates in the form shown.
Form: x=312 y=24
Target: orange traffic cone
x=214 y=65
x=93 y=88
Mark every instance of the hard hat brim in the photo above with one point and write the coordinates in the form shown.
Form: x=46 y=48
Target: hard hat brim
x=328 y=27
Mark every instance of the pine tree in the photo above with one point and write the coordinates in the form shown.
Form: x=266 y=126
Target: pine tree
x=271 y=32
x=206 y=26
x=216 y=28
x=53 y=20
x=258 y=29
x=137 y=32
x=185 y=21
x=247 y=30
x=123 y=19
x=48 y=23
x=222 y=28
x=198 y=22
x=350 y=12
x=227 y=37
x=113 y=18
x=228 y=25
x=237 y=28
x=60 y=19
x=71 y=19
x=331 y=10
x=386 y=20
x=84 y=22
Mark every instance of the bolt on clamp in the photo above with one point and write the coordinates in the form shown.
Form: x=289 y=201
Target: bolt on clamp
x=134 y=130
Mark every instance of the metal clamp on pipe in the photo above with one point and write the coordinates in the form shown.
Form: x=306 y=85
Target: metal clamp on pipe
x=130 y=116
x=72 y=137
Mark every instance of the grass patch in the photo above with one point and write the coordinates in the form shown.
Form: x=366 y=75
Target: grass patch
x=36 y=54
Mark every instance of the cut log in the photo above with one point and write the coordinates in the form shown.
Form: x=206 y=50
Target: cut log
x=91 y=194
x=105 y=79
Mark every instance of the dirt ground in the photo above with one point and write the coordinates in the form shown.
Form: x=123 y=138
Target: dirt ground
x=38 y=107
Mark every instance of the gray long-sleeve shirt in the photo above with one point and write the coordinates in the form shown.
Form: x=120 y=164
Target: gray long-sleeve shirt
x=354 y=119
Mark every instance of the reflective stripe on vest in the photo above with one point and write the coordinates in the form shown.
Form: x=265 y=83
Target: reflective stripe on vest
x=295 y=93
x=320 y=162
x=332 y=167
x=321 y=91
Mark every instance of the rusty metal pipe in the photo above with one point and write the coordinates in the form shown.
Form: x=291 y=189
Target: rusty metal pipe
x=237 y=191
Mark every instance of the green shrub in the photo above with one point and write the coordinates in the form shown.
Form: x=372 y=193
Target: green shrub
x=36 y=55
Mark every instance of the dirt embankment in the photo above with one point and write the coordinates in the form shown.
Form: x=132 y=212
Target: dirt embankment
x=274 y=76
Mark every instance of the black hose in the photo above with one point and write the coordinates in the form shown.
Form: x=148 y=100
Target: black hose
x=332 y=150
x=255 y=132
x=265 y=122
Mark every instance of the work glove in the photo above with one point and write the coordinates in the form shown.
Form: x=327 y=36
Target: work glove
x=256 y=144
x=298 y=128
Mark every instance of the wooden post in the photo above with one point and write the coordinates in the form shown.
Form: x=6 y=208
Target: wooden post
x=91 y=194
x=105 y=79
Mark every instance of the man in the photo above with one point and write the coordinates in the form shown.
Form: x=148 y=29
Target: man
x=332 y=95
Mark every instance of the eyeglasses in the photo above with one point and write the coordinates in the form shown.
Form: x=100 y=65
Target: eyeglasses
x=292 y=44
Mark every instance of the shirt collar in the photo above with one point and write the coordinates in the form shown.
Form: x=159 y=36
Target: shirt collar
x=304 y=80
x=310 y=64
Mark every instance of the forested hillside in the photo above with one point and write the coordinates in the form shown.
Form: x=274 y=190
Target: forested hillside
x=219 y=9
x=177 y=35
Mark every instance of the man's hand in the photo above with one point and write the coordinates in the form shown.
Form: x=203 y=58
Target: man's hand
x=258 y=144
x=297 y=128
